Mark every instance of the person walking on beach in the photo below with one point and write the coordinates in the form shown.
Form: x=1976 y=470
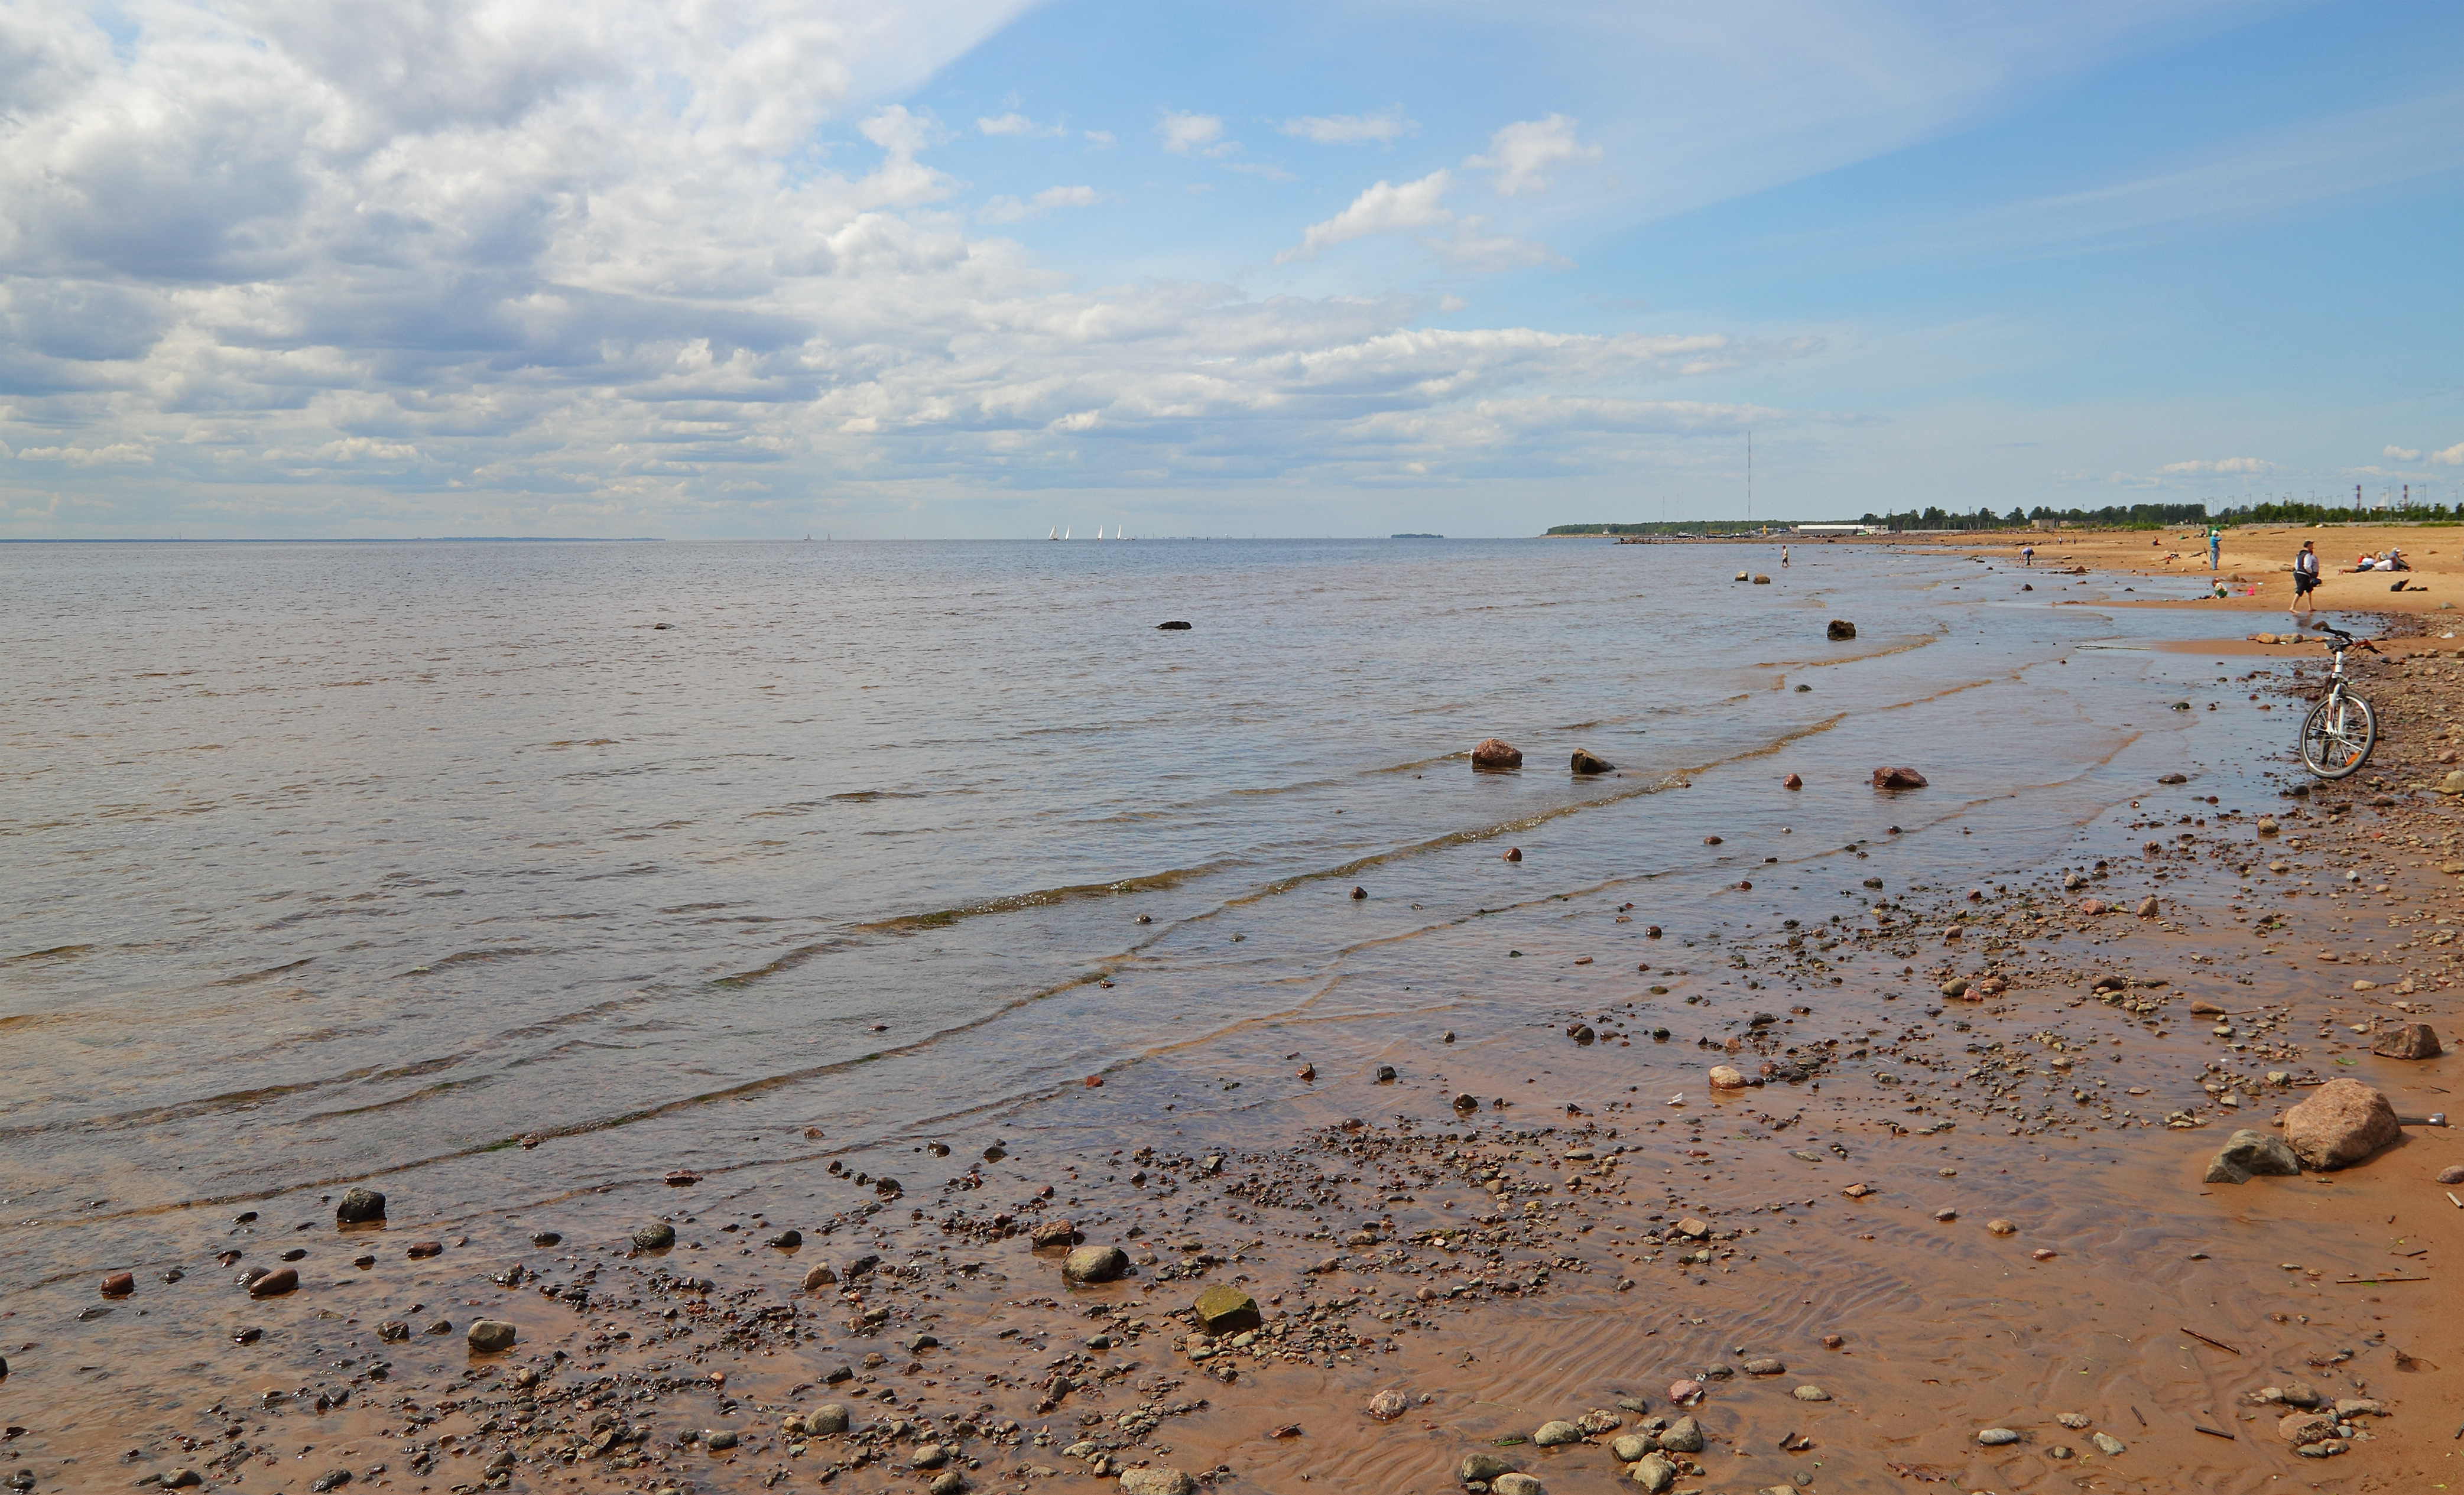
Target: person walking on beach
x=2306 y=576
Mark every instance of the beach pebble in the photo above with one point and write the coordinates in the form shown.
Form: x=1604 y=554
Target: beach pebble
x=274 y=1283
x=1728 y=1077
x=1792 y=781
x=1225 y=1309
x=720 y=1441
x=2001 y=1227
x=2106 y=1443
x=949 y=1481
x=786 y=1239
x=421 y=1250
x=2074 y=1421
x=1515 y=1484
x=928 y=1456
x=1684 y=1435
x=1897 y=778
x=821 y=1276
x=827 y=1420
x=393 y=1330
x=1553 y=1433
x=1483 y=1465
x=1996 y=1437
x=1945 y=1214
x=2247 y=1154
x=1810 y=1393
x=2413 y=1041
x=1094 y=1263
x=443 y=1325
x=330 y=1480
x=1833 y=1341
x=1685 y=1394
x=1389 y=1404
x=359 y=1206
x=2342 y=1123
x=2304 y=1428
x=488 y=1335
x=119 y=1284
x=1653 y=1473
x=657 y=1236
x=1051 y=1233
x=183 y=1480
x=2147 y=907
x=2453 y=1175
x=1631 y=1446
x=1156 y=1480
x=1496 y=753
x=1765 y=1365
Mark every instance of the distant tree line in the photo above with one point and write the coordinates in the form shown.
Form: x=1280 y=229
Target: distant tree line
x=2129 y=516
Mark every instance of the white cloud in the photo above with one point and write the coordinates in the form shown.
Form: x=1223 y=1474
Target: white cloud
x=1193 y=134
x=118 y=454
x=2453 y=456
x=1468 y=249
x=1102 y=138
x=2225 y=467
x=1016 y=124
x=1524 y=154
x=1338 y=129
x=2401 y=454
x=1382 y=208
x=1009 y=210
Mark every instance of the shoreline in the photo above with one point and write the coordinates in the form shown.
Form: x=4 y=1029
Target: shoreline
x=1469 y=1260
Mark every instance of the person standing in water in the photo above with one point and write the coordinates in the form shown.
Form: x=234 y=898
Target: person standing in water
x=1783 y=557
x=2306 y=576
x=2028 y=554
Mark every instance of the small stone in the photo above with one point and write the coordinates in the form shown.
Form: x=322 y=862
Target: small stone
x=2247 y=1154
x=1095 y=1264
x=1051 y=1233
x=1631 y=1446
x=827 y=1420
x=489 y=1337
x=1685 y=1394
x=2043 y=1254
x=2147 y=907
x=1482 y=1464
x=119 y=1284
x=1154 y=1480
x=2452 y=1174
x=393 y=1330
x=1840 y=628
x=1945 y=1214
x=274 y=1283
x=422 y=1250
x=2106 y=1443
x=359 y=1206
x=1765 y=1365
x=183 y=1479
x=1897 y=778
x=2325 y=1448
x=657 y=1236
x=330 y=1480
x=2061 y=1451
x=820 y=1277
x=786 y=1239
x=546 y=1238
x=1810 y=1393
x=929 y=1456
x=2074 y=1421
x=1996 y=1437
x=2001 y=1227
x=1496 y=753
x=1833 y=1341
x=2304 y=1428
x=719 y=1441
x=1515 y=1484
x=1728 y=1077
x=1225 y=1309
x=1653 y=1473
x=1684 y=1435
x=1553 y=1433
x=1591 y=764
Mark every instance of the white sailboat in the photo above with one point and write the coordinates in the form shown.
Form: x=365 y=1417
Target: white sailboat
x=1065 y=534
x=1099 y=532
x=1056 y=532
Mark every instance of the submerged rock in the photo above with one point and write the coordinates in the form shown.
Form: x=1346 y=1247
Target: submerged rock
x=1897 y=778
x=1591 y=763
x=1496 y=753
x=1841 y=629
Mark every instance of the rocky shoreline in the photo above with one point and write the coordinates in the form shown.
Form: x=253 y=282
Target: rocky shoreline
x=1938 y=1221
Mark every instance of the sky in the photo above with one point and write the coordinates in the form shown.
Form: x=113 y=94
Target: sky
x=986 y=268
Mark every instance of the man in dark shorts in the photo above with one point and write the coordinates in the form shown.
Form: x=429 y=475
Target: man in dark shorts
x=2306 y=576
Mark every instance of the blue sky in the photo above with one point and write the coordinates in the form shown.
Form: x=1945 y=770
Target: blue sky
x=981 y=267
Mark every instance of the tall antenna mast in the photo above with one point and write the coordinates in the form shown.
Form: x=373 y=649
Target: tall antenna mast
x=1750 y=474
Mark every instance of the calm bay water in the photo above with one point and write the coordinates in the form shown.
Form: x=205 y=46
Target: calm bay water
x=323 y=863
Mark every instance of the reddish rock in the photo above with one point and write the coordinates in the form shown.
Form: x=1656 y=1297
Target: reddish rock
x=119 y=1284
x=2342 y=1123
x=2413 y=1041
x=822 y=1276
x=273 y=1284
x=1897 y=778
x=1513 y=853
x=1792 y=781
x=1496 y=753
x=1052 y=1233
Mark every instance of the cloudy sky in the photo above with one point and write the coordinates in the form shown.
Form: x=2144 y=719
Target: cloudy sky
x=708 y=268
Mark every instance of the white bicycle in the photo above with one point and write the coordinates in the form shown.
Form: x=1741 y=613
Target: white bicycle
x=2341 y=730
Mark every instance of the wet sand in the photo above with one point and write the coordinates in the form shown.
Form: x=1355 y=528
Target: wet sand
x=1595 y=1226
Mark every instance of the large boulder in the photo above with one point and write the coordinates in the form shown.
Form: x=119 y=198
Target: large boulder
x=1897 y=778
x=2342 y=1123
x=1496 y=753
x=2248 y=1153
x=2413 y=1041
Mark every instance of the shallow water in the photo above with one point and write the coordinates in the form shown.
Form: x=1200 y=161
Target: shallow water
x=326 y=862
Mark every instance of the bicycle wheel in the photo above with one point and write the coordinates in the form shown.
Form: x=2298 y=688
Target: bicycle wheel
x=2337 y=737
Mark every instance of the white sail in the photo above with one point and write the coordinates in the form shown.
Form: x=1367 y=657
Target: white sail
x=1056 y=532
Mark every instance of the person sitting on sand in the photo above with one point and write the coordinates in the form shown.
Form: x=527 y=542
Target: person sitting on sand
x=2306 y=576
x=2393 y=560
